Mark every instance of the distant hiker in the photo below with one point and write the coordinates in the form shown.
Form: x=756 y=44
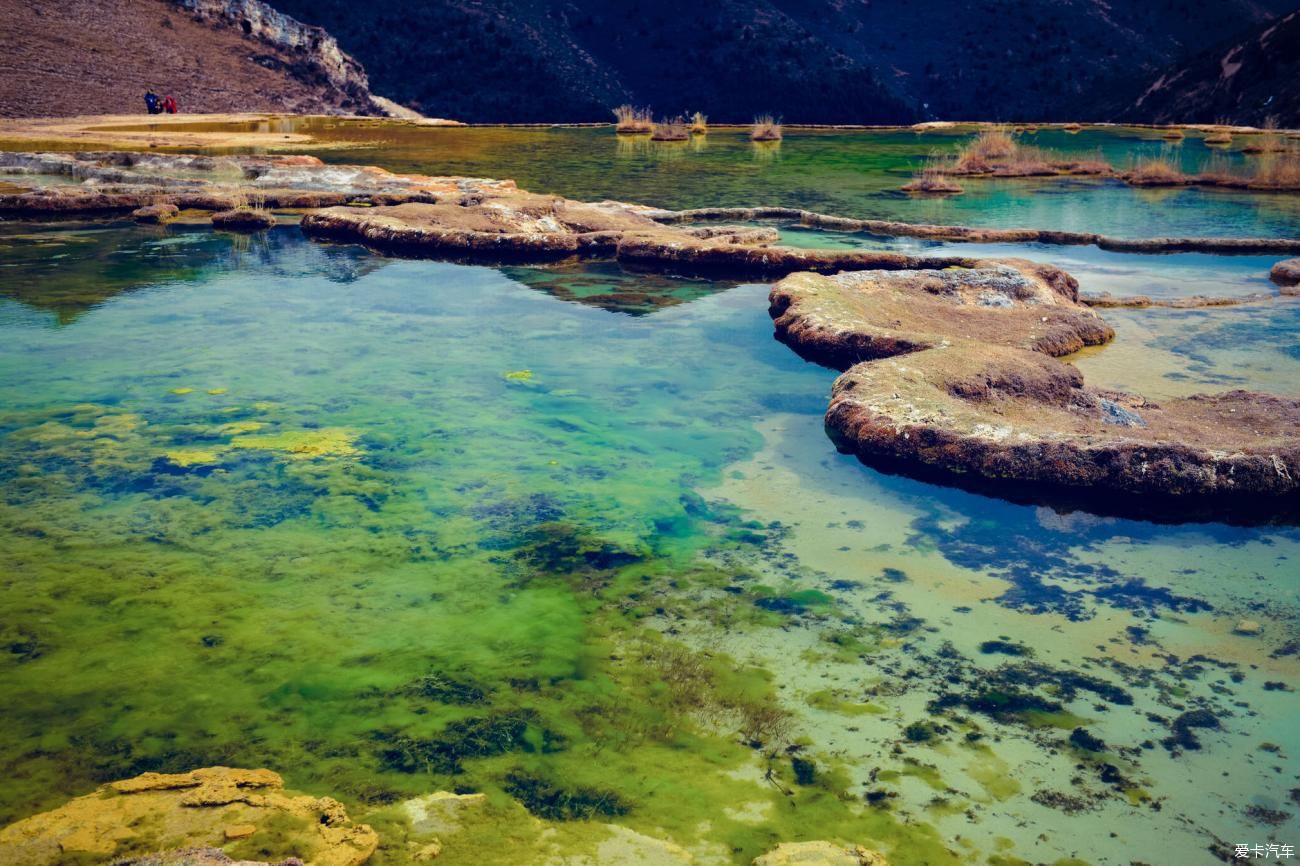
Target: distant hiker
x=169 y=104
x=152 y=103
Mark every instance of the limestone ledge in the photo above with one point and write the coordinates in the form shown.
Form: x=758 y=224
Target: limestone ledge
x=147 y=813
x=185 y=819
x=955 y=376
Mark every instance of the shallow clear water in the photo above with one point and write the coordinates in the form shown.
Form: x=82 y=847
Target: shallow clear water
x=396 y=526
x=845 y=172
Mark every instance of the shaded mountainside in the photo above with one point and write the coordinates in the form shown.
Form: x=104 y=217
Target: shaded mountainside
x=100 y=56
x=1250 y=79
x=852 y=61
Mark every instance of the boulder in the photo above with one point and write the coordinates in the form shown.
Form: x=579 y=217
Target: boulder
x=1286 y=273
x=157 y=811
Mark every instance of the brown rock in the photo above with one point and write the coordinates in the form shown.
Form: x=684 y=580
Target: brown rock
x=865 y=315
x=199 y=809
x=1010 y=415
x=243 y=219
x=1286 y=273
x=155 y=213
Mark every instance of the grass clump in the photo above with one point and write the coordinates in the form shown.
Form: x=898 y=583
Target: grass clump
x=1156 y=171
x=670 y=130
x=1174 y=134
x=991 y=145
x=1279 y=171
x=699 y=124
x=933 y=179
x=766 y=128
x=1269 y=141
x=1219 y=138
x=629 y=119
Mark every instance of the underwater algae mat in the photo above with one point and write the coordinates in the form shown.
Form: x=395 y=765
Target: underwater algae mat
x=575 y=539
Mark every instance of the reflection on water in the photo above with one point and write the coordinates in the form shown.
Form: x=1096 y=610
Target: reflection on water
x=849 y=172
x=414 y=527
x=610 y=287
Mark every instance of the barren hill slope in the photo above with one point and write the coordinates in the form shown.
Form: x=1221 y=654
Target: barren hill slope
x=1251 y=79
x=852 y=61
x=100 y=56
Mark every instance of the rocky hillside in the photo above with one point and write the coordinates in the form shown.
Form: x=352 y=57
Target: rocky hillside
x=809 y=60
x=100 y=56
x=1251 y=79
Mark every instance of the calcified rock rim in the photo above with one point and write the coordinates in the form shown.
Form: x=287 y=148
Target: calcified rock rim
x=990 y=408
x=115 y=181
x=868 y=315
x=966 y=234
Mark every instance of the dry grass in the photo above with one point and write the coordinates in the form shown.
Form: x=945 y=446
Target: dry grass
x=1280 y=171
x=632 y=120
x=1174 y=135
x=1270 y=141
x=766 y=128
x=245 y=199
x=1093 y=166
x=1026 y=162
x=989 y=147
x=1156 y=171
x=1219 y=137
x=670 y=130
x=933 y=180
x=699 y=123
x=1073 y=127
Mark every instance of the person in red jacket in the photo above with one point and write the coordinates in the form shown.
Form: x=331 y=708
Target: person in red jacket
x=169 y=104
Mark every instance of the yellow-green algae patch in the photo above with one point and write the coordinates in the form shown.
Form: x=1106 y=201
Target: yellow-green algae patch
x=327 y=442
x=236 y=428
x=193 y=457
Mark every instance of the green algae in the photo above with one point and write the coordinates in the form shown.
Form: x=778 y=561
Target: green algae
x=828 y=700
x=327 y=443
x=396 y=548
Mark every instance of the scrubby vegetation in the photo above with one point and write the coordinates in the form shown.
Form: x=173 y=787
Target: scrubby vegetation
x=1155 y=171
x=670 y=130
x=1270 y=141
x=766 y=128
x=629 y=119
x=1272 y=171
x=988 y=147
x=699 y=123
x=1278 y=170
x=998 y=153
x=933 y=179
